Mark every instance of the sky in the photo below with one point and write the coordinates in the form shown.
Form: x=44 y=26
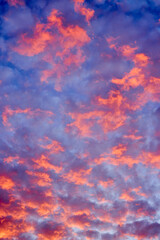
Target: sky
x=79 y=120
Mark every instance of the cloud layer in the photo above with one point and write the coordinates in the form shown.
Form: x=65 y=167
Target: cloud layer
x=79 y=123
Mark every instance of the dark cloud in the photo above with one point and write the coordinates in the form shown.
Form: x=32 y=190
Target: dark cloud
x=142 y=228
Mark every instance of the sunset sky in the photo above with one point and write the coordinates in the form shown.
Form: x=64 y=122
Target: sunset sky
x=80 y=120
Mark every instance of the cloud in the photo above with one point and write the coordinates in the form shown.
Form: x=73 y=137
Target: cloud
x=142 y=229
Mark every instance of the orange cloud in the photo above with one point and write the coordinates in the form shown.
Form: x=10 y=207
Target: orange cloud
x=132 y=79
x=30 y=46
x=11 y=159
x=44 y=206
x=152 y=89
x=127 y=50
x=46 y=209
x=83 y=122
x=59 y=43
x=81 y=212
x=126 y=196
x=114 y=100
x=43 y=162
x=107 y=120
x=141 y=59
x=106 y=184
x=78 y=178
x=119 y=150
x=71 y=37
x=117 y=160
x=133 y=137
x=8 y=112
x=110 y=119
x=136 y=76
x=54 y=146
x=16 y=211
x=10 y=228
x=151 y=159
x=41 y=178
x=88 y=13
x=117 y=157
x=76 y=59
x=74 y=35
x=6 y=183
x=79 y=221
x=139 y=192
